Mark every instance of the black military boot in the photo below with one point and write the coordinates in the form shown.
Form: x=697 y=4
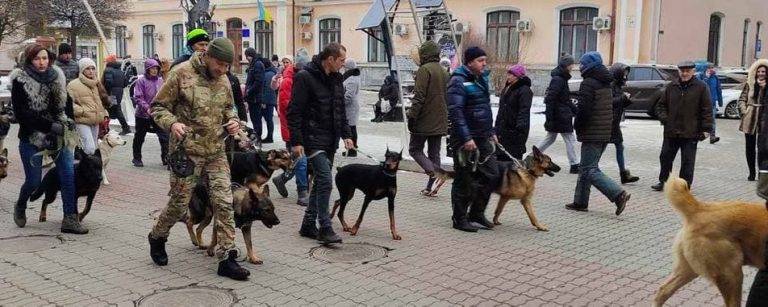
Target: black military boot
x=71 y=224
x=481 y=220
x=463 y=225
x=157 y=250
x=626 y=177
x=308 y=230
x=230 y=268
x=575 y=168
x=621 y=202
x=327 y=236
x=20 y=215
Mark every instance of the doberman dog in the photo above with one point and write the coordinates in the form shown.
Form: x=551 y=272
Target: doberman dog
x=375 y=181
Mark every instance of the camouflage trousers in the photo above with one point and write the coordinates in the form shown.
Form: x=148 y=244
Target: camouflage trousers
x=217 y=169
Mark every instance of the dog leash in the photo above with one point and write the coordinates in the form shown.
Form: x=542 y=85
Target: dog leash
x=516 y=161
x=364 y=154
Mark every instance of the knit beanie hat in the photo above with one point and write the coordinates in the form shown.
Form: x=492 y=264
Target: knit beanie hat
x=516 y=70
x=473 y=53
x=64 y=48
x=590 y=60
x=85 y=63
x=288 y=57
x=350 y=63
x=566 y=60
x=197 y=35
x=222 y=49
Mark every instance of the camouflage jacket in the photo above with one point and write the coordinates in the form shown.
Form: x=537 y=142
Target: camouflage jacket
x=189 y=96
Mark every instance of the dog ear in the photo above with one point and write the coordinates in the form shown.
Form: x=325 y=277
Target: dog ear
x=97 y=153
x=536 y=152
x=265 y=192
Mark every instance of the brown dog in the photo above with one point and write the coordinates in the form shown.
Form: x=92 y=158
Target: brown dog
x=4 y=164
x=716 y=240
x=518 y=181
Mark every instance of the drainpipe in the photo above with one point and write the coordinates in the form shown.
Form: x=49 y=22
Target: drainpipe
x=293 y=26
x=613 y=30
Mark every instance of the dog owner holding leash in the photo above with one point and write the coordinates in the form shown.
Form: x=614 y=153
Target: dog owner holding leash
x=193 y=103
x=757 y=91
x=316 y=119
x=473 y=139
x=39 y=99
x=89 y=99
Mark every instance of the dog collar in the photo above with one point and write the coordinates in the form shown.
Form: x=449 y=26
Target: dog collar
x=388 y=174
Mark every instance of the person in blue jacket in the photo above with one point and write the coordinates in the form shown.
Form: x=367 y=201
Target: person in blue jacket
x=707 y=73
x=473 y=141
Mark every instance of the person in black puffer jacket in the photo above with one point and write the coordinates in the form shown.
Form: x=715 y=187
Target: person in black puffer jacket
x=621 y=100
x=594 y=126
x=317 y=119
x=514 y=118
x=115 y=82
x=560 y=110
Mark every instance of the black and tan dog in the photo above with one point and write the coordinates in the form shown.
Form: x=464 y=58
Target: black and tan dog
x=88 y=177
x=518 y=181
x=4 y=164
x=244 y=141
x=257 y=166
x=250 y=204
x=375 y=181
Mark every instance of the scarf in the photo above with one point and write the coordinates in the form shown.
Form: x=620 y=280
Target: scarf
x=45 y=77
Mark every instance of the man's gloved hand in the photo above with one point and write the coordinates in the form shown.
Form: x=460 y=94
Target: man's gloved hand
x=57 y=128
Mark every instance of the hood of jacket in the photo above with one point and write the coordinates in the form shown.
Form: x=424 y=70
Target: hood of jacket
x=150 y=63
x=618 y=73
x=115 y=65
x=752 y=75
x=589 y=61
x=429 y=52
x=316 y=69
x=599 y=73
x=522 y=81
x=559 y=71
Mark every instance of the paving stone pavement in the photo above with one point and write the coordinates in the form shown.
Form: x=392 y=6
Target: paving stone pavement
x=586 y=259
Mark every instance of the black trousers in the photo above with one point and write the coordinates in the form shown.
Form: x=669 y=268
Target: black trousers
x=143 y=126
x=354 y=134
x=751 y=152
x=472 y=189
x=116 y=112
x=758 y=293
x=669 y=149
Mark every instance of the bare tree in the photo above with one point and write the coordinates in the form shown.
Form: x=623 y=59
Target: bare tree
x=12 y=18
x=73 y=15
x=199 y=14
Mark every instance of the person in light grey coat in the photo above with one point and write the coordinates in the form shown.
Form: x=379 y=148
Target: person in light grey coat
x=351 y=100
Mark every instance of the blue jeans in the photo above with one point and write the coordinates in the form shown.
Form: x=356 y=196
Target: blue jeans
x=300 y=171
x=33 y=173
x=320 y=196
x=714 y=118
x=268 y=113
x=591 y=175
x=620 y=156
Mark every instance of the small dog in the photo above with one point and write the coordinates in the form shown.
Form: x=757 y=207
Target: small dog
x=87 y=182
x=375 y=181
x=4 y=164
x=251 y=203
x=106 y=145
x=257 y=166
x=716 y=240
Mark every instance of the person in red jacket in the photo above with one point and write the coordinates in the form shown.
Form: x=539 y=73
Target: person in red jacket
x=283 y=83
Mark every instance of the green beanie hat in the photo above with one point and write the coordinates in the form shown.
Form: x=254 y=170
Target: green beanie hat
x=197 y=35
x=222 y=49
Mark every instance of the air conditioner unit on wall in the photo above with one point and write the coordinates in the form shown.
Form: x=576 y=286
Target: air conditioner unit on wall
x=128 y=34
x=401 y=29
x=306 y=35
x=158 y=36
x=524 y=25
x=460 y=27
x=601 y=23
x=305 y=19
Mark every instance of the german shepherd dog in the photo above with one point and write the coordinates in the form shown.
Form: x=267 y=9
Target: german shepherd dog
x=716 y=240
x=257 y=166
x=518 y=181
x=4 y=164
x=87 y=182
x=244 y=141
x=375 y=181
x=250 y=203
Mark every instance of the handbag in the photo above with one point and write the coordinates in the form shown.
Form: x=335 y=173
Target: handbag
x=180 y=163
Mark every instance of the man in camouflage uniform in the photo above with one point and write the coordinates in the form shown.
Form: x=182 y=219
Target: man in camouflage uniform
x=194 y=102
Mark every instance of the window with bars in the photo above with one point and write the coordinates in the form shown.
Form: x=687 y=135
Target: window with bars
x=376 y=49
x=576 y=34
x=330 y=31
x=177 y=34
x=120 y=41
x=263 y=36
x=148 y=39
x=744 y=39
x=502 y=36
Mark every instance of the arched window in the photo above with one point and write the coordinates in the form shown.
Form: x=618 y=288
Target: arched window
x=263 y=36
x=148 y=38
x=120 y=41
x=501 y=34
x=744 y=43
x=330 y=31
x=576 y=33
x=713 y=45
x=177 y=35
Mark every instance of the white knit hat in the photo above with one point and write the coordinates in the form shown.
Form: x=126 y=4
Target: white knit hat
x=85 y=63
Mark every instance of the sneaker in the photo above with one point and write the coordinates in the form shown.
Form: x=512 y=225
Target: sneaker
x=157 y=250
x=230 y=268
x=713 y=140
x=125 y=131
x=327 y=236
x=19 y=216
x=267 y=141
x=137 y=163
x=621 y=202
x=71 y=224
x=575 y=168
x=482 y=221
x=626 y=177
x=308 y=231
x=658 y=187
x=576 y=207
x=279 y=183
x=464 y=225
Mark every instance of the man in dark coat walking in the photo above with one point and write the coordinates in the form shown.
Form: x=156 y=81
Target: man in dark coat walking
x=66 y=61
x=594 y=125
x=472 y=140
x=428 y=115
x=514 y=118
x=254 y=86
x=115 y=83
x=685 y=110
x=621 y=100
x=317 y=119
x=560 y=110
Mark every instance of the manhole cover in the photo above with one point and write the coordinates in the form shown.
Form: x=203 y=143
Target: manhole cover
x=28 y=244
x=189 y=296
x=349 y=253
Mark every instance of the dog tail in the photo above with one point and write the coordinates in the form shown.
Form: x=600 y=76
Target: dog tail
x=679 y=195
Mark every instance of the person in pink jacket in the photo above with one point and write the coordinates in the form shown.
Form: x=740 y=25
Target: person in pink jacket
x=144 y=92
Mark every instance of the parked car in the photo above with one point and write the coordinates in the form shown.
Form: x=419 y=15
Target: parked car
x=645 y=83
x=729 y=108
x=729 y=80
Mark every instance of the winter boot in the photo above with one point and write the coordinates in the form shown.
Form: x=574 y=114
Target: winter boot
x=626 y=177
x=575 y=168
x=19 y=215
x=482 y=221
x=463 y=225
x=308 y=230
x=157 y=250
x=621 y=202
x=71 y=224
x=267 y=140
x=230 y=268
x=327 y=236
x=714 y=139
x=576 y=207
x=303 y=198
x=658 y=187
x=279 y=183
x=137 y=163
